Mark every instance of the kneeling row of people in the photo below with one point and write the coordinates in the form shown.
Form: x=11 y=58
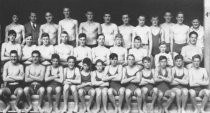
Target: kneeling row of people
x=105 y=83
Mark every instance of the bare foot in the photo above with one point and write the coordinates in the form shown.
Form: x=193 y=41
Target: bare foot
x=196 y=111
x=18 y=110
x=40 y=110
x=115 y=110
x=105 y=110
x=75 y=109
x=202 y=111
x=5 y=110
x=50 y=110
x=64 y=109
x=119 y=110
x=28 y=109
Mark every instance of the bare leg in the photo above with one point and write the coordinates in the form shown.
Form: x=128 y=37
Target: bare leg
x=104 y=99
x=154 y=98
x=178 y=98
x=28 y=97
x=192 y=97
x=75 y=95
x=82 y=99
x=18 y=92
x=144 y=97
x=65 y=97
x=57 y=100
x=121 y=97
x=159 y=101
x=204 y=93
x=49 y=96
x=128 y=94
x=184 y=99
x=41 y=96
x=139 y=99
x=171 y=95
x=98 y=99
x=112 y=98
x=6 y=94
x=91 y=93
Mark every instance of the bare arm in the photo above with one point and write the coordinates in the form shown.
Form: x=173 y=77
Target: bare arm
x=3 y=51
x=205 y=78
x=48 y=77
x=23 y=34
x=59 y=32
x=77 y=79
x=77 y=32
x=5 y=74
x=138 y=77
x=40 y=35
x=99 y=28
x=60 y=75
x=162 y=35
x=107 y=77
x=125 y=79
x=27 y=75
x=150 y=42
x=21 y=73
x=118 y=76
x=6 y=33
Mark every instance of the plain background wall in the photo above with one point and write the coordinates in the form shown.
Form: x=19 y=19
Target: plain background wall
x=191 y=8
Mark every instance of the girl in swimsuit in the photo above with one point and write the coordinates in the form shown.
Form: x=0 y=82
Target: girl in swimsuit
x=131 y=79
x=179 y=83
x=86 y=88
x=147 y=83
x=114 y=76
x=99 y=84
x=72 y=78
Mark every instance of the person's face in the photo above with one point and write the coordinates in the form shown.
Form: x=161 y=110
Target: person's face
x=162 y=48
x=45 y=40
x=12 y=37
x=101 y=40
x=180 y=18
x=55 y=62
x=35 y=58
x=49 y=17
x=15 y=18
x=163 y=63
x=89 y=15
x=196 y=62
x=85 y=67
x=168 y=17
x=195 y=23
x=137 y=44
x=118 y=41
x=154 y=21
x=99 y=67
x=125 y=19
x=147 y=64
x=141 y=20
x=64 y=38
x=193 y=39
x=107 y=18
x=114 y=61
x=13 y=58
x=33 y=17
x=71 y=63
x=66 y=12
x=131 y=60
x=82 y=41
x=179 y=62
x=29 y=40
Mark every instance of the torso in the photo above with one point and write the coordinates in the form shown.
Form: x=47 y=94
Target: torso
x=143 y=33
x=52 y=30
x=19 y=29
x=126 y=32
x=180 y=33
x=69 y=25
x=120 y=51
x=109 y=33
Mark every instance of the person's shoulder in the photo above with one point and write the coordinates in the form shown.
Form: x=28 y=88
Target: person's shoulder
x=42 y=66
x=7 y=63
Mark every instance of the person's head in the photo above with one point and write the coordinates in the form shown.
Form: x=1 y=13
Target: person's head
x=146 y=62
x=125 y=18
x=142 y=20
x=196 y=60
x=55 y=59
x=193 y=37
x=180 y=17
x=36 y=55
x=45 y=39
x=12 y=35
x=99 y=65
x=29 y=39
x=71 y=60
x=163 y=61
x=113 y=59
x=82 y=39
x=107 y=18
x=131 y=60
x=64 y=37
x=168 y=16
x=178 y=61
x=162 y=47
x=137 y=42
x=14 y=56
x=154 y=20
x=118 y=40
x=15 y=18
x=101 y=39
x=33 y=17
x=66 y=12
x=86 y=64
x=49 y=17
x=195 y=23
x=89 y=15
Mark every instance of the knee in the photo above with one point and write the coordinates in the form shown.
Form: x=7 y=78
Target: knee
x=73 y=88
x=81 y=92
x=122 y=91
x=26 y=90
x=185 y=92
x=49 y=90
x=66 y=87
x=172 y=95
x=58 y=89
x=144 y=90
x=178 y=92
x=92 y=92
x=192 y=93
x=20 y=91
x=155 y=91
x=41 y=90
x=98 y=92
x=104 y=91
x=110 y=91
x=160 y=94
x=128 y=92
x=138 y=92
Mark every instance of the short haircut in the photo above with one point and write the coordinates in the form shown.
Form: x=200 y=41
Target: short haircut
x=89 y=11
x=162 y=58
x=168 y=12
x=118 y=36
x=88 y=62
x=82 y=35
x=113 y=55
x=12 y=32
x=130 y=55
x=137 y=38
x=196 y=18
x=125 y=14
x=13 y=52
x=196 y=56
x=36 y=52
x=178 y=57
x=71 y=57
x=180 y=12
x=28 y=35
x=99 y=61
x=64 y=32
x=100 y=35
x=45 y=35
x=55 y=56
x=162 y=43
x=193 y=32
x=142 y=16
x=107 y=12
x=154 y=16
x=66 y=8
x=146 y=59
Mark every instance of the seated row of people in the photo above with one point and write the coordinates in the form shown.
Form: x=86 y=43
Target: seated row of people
x=105 y=83
x=100 y=52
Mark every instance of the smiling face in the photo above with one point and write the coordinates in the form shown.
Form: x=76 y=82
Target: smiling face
x=55 y=62
x=180 y=18
x=168 y=17
x=141 y=20
x=195 y=23
x=71 y=63
x=179 y=63
x=13 y=58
